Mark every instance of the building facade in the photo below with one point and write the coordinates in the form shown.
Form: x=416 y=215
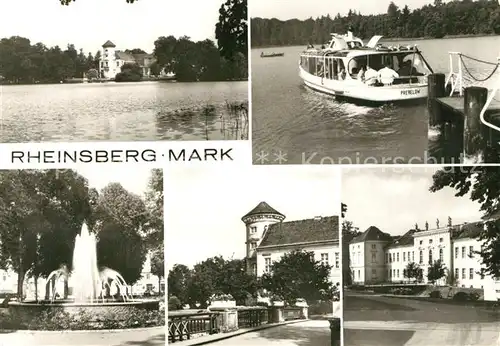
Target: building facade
x=269 y=237
x=377 y=257
x=112 y=60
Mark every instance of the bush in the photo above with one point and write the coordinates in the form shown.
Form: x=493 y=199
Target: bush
x=461 y=297
x=435 y=294
x=57 y=319
x=174 y=303
x=474 y=296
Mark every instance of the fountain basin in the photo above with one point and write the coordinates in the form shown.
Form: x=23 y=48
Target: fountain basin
x=117 y=311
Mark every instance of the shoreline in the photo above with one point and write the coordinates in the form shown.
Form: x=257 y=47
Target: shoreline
x=393 y=39
x=113 y=82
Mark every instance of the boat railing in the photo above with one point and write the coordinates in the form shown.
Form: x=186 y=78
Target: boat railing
x=463 y=74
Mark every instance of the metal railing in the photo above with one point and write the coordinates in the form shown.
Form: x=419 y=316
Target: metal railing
x=182 y=326
x=252 y=316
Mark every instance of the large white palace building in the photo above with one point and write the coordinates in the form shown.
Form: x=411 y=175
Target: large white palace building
x=269 y=237
x=377 y=257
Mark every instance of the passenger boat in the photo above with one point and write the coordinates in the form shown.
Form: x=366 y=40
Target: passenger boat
x=348 y=68
x=271 y=55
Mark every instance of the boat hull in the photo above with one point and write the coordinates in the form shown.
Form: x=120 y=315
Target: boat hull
x=357 y=90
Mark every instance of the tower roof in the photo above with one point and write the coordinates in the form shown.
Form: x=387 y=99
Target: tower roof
x=262 y=208
x=108 y=44
x=372 y=234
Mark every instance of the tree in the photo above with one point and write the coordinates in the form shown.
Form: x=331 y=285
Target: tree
x=130 y=72
x=154 y=206
x=231 y=31
x=178 y=281
x=413 y=271
x=216 y=276
x=41 y=211
x=158 y=264
x=349 y=232
x=298 y=275
x=121 y=218
x=436 y=271
x=482 y=185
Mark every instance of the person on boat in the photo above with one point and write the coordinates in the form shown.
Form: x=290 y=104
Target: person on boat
x=361 y=73
x=387 y=74
x=371 y=76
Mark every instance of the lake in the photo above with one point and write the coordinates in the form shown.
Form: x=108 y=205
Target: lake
x=292 y=124
x=122 y=111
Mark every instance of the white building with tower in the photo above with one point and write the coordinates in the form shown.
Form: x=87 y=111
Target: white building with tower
x=269 y=237
x=112 y=60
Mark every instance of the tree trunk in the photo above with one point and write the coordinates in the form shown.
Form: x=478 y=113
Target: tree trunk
x=159 y=285
x=47 y=290
x=20 y=280
x=66 y=288
x=36 y=288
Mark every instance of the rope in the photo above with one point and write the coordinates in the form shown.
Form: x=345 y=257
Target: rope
x=470 y=74
x=478 y=60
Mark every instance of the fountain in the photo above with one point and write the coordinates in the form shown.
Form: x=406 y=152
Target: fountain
x=89 y=287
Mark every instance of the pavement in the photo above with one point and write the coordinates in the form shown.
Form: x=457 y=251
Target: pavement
x=129 y=337
x=375 y=320
x=304 y=333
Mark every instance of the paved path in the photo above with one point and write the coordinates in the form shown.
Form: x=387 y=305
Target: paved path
x=371 y=320
x=142 y=337
x=307 y=333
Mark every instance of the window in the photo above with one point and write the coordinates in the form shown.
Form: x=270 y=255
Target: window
x=386 y=258
x=324 y=258
x=456 y=273
x=374 y=257
x=421 y=260
x=118 y=64
x=337 y=260
x=463 y=273
x=397 y=273
x=404 y=256
x=389 y=273
x=374 y=246
x=397 y=257
x=430 y=241
x=456 y=252
x=421 y=242
x=471 y=273
x=253 y=245
x=267 y=264
x=253 y=230
x=441 y=256
x=463 y=251
x=430 y=257
x=471 y=251
x=359 y=274
x=374 y=273
x=413 y=256
x=440 y=240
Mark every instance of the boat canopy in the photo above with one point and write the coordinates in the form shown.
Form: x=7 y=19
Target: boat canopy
x=374 y=41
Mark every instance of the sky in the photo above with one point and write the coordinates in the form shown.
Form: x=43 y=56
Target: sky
x=89 y=23
x=288 y=9
x=394 y=199
x=204 y=206
x=135 y=180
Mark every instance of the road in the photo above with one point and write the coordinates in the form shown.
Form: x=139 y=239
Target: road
x=371 y=320
x=307 y=333
x=142 y=337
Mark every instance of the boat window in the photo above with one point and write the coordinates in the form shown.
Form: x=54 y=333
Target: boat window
x=355 y=64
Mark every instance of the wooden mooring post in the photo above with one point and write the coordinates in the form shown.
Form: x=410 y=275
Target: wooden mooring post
x=474 y=142
x=335 y=330
x=435 y=90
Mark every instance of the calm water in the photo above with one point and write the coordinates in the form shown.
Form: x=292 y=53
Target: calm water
x=120 y=111
x=292 y=124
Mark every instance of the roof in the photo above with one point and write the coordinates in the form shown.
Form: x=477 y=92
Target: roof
x=302 y=231
x=404 y=240
x=108 y=44
x=262 y=208
x=468 y=230
x=372 y=234
x=124 y=56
